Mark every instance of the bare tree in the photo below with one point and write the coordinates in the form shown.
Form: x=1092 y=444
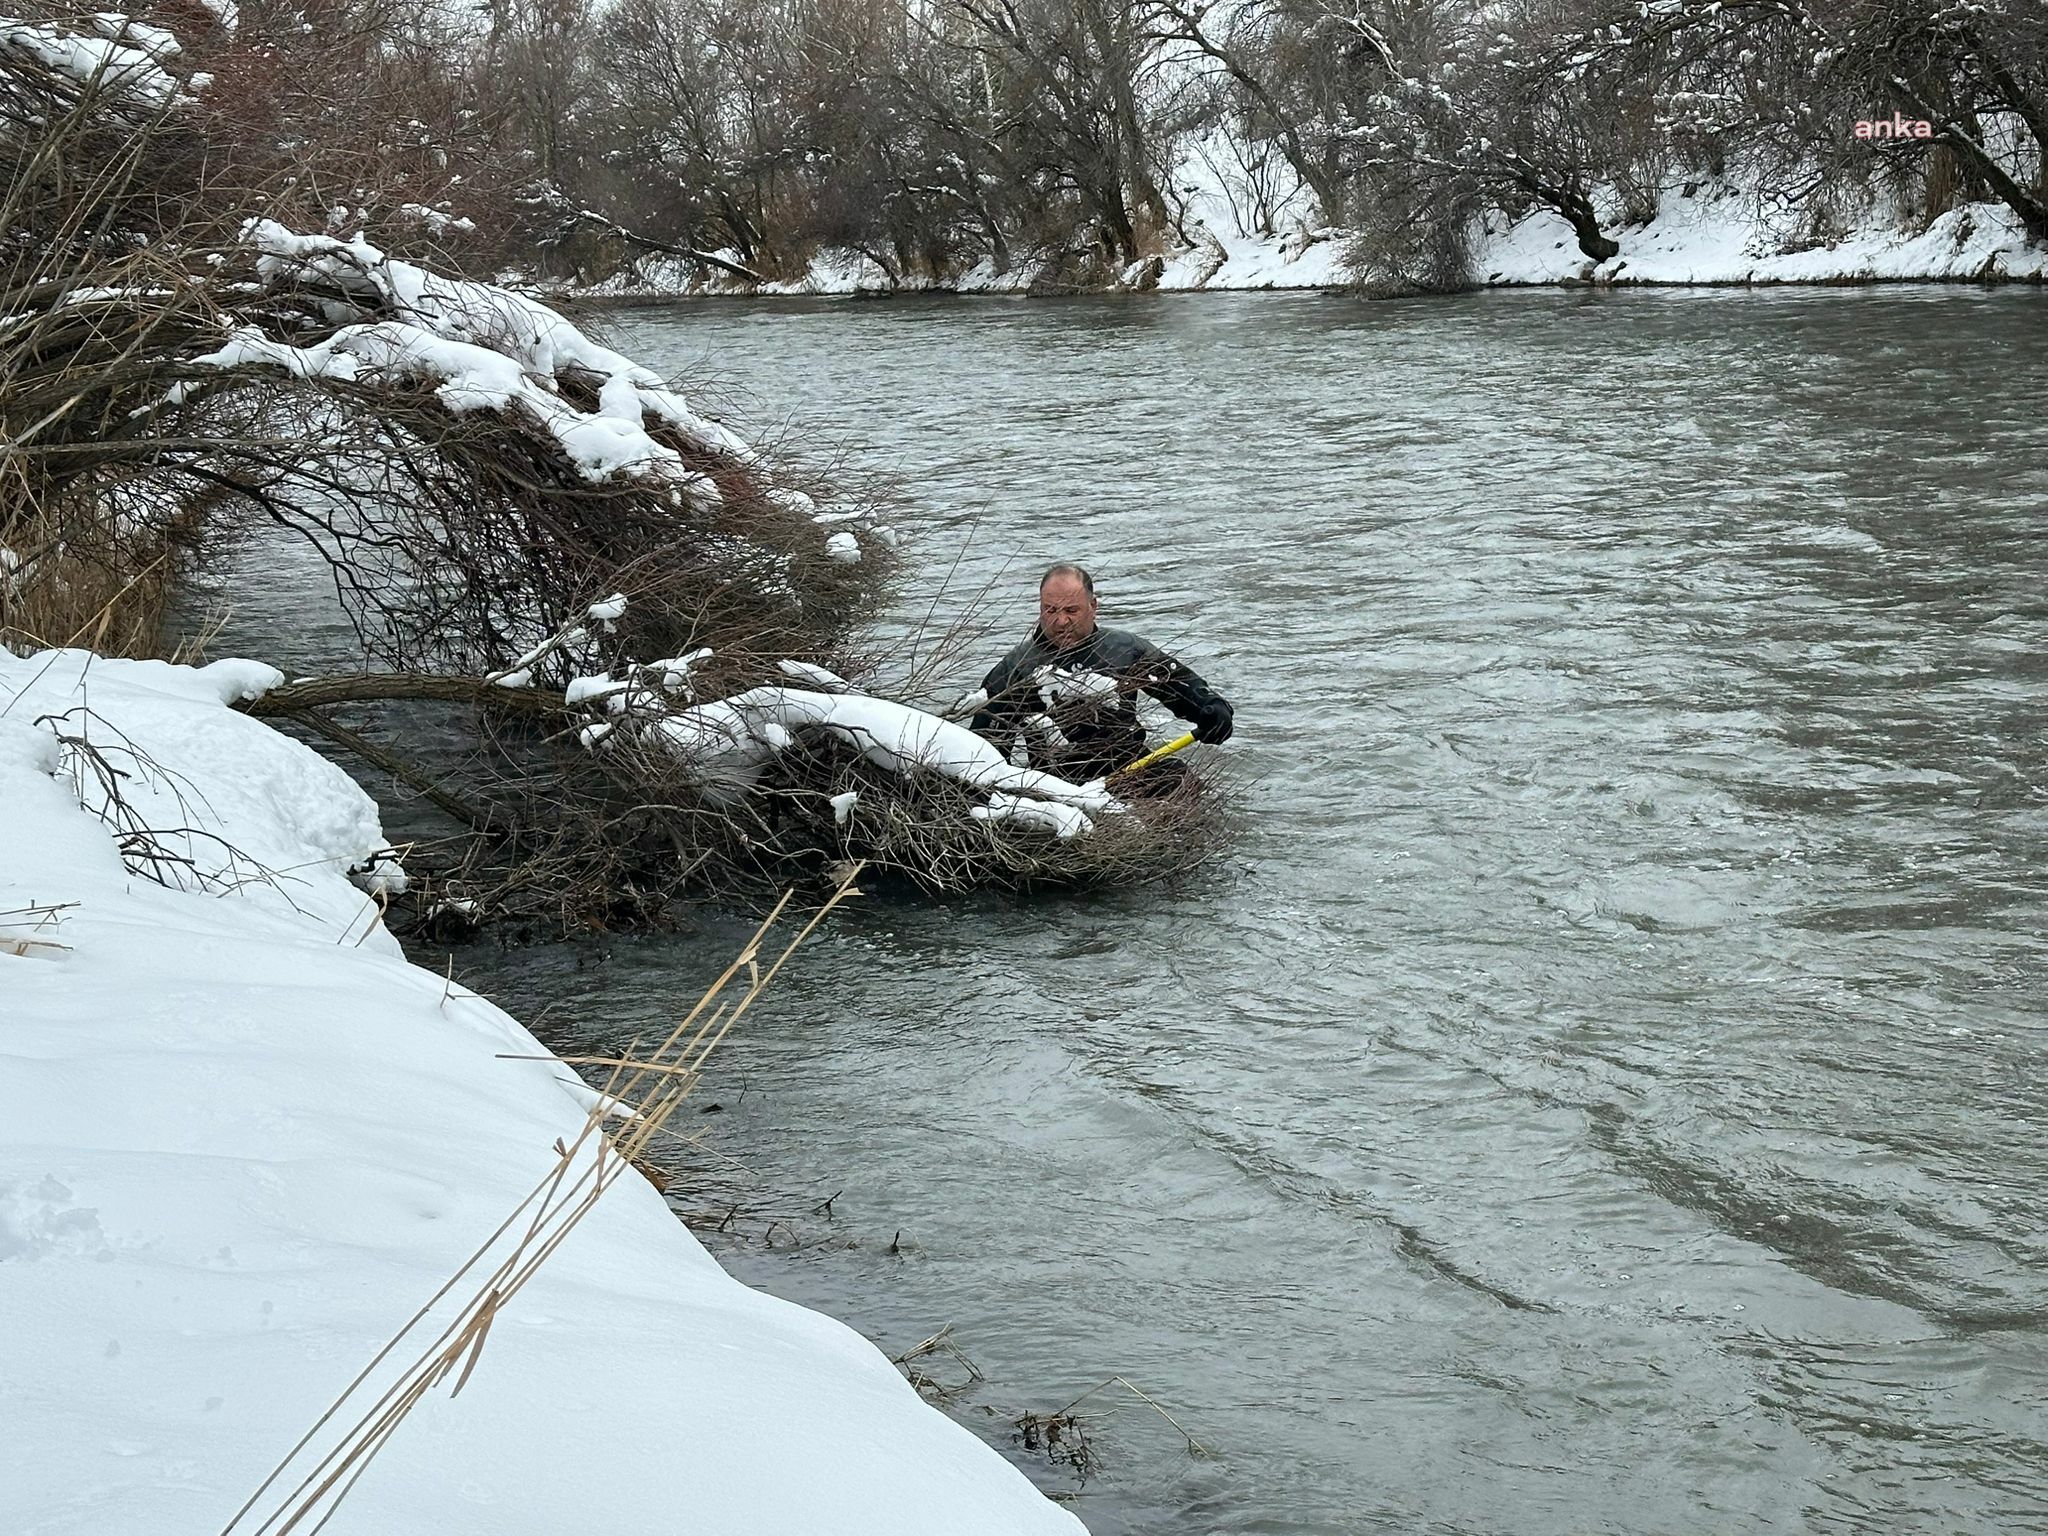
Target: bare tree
x=1065 y=87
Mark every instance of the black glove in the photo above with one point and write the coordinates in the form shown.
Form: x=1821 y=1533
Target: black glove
x=1213 y=724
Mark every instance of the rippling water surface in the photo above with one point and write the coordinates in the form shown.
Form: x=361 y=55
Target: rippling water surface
x=1605 y=1090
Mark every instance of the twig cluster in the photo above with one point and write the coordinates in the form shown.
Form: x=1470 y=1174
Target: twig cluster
x=180 y=856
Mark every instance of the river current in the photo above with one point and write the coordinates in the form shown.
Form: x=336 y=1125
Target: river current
x=1603 y=1090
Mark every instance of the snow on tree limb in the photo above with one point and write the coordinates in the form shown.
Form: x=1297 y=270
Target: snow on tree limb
x=124 y=64
x=481 y=347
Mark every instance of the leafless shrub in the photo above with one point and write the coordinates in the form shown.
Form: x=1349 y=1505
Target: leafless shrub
x=1415 y=237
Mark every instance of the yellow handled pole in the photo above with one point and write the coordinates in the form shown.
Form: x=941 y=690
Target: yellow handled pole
x=1186 y=739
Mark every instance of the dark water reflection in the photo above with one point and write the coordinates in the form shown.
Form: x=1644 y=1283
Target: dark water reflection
x=1606 y=1093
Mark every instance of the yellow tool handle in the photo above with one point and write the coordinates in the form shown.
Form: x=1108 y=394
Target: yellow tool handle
x=1186 y=739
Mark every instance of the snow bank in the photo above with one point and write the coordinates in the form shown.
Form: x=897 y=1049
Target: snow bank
x=1715 y=235
x=1237 y=245
x=1222 y=261
x=1703 y=234
x=241 y=1140
x=1709 y=234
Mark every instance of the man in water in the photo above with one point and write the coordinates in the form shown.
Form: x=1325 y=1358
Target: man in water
x=1070 y=688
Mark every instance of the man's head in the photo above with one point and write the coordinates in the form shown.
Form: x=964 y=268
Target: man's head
x=1066 y=606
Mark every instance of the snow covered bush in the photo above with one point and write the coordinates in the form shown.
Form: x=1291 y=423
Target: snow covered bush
x=805 y=776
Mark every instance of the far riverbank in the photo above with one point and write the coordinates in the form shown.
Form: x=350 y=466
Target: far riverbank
x=1701 y=237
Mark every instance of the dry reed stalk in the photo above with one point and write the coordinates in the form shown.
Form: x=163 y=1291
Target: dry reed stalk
x=1195 y=1447
x=646 y=1091
x=9 y=945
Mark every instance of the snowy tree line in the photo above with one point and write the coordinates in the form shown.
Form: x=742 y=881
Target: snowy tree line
x=1063 y=137
x=929 y=135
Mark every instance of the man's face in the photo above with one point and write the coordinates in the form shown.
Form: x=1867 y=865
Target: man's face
x=1066 y=611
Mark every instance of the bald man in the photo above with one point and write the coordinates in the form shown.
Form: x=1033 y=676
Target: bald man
x=1070 y=689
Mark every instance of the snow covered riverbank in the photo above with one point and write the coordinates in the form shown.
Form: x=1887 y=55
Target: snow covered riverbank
x=1720 y=236
x=1708 y=236
x=242 y=1141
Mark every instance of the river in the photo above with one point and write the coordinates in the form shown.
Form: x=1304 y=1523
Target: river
x=1603 y=1090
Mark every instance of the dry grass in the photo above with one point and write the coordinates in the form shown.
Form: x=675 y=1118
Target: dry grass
x=641 y=1092
x=80 y=582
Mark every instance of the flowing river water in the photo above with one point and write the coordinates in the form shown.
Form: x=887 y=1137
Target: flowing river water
x=1603 y=1091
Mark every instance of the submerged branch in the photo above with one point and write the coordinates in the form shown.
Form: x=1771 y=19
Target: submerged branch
x=482 y=820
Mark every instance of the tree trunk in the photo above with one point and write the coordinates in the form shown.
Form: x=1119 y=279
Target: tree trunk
x=295 y=698
x=1134 y=176
x=1597 y=245
x=1941 y=184
x=646 y=242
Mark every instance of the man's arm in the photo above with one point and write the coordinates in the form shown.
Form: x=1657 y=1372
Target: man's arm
x=1181 y=689
x=1006 y=709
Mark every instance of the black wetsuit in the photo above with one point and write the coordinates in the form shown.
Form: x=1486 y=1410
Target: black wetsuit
x=1103 y=732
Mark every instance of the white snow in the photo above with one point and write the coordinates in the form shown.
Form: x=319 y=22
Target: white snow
x=836 y=270
x=235 y=681
x=1076 y=685
x=1047 y=730
x=1718 y=235
x=728 y=741
x=242 y=1141
x=154 y=41
x=1299 y=259
x=485 y=348
x=116 y=67
x=300 y=823
x=468 y=377
x=1062 y=821
x=675 y=674
x=1236 y=244
x=817 y=676
x=541 y=340
x=434 y=221
x=598 y=685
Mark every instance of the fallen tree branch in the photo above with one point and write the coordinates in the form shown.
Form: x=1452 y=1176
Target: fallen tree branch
x=647 y=242
x=311 y=693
